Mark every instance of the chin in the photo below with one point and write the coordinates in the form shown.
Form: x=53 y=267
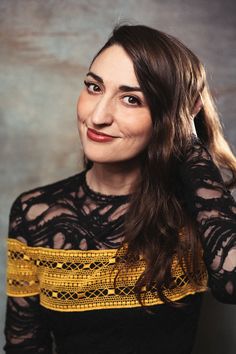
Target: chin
x=100 y=160
x=102 y=155
x=98 y=157
x=109 y=160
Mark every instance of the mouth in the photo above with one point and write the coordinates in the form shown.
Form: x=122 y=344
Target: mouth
x=99 y=136
x=93 y=131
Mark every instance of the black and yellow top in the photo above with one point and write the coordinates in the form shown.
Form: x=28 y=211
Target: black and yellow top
x=62 y=264
x=75 y=280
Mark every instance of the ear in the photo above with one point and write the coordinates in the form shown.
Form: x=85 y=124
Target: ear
x=197 y=106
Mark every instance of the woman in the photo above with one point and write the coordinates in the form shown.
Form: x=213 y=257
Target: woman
x=111 y=260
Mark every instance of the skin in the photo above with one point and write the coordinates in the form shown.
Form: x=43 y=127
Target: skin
x=107 y=106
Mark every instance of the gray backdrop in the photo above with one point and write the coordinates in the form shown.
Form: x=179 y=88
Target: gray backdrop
x=46 y=47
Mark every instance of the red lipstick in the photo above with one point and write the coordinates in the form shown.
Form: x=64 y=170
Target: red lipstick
x=98 y=136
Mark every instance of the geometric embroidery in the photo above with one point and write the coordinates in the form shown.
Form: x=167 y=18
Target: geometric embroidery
x=75 y=280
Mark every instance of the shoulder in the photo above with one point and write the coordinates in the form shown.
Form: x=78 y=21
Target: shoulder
x=46 y=195
x=50 y=191
x=39 y=208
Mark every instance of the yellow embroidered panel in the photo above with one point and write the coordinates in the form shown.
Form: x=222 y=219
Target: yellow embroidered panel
x=74 y=280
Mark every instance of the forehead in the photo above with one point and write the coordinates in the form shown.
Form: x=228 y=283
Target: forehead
x=114 y=65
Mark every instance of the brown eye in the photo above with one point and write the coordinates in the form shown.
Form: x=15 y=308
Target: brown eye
x=91 y=87
x=132 y=100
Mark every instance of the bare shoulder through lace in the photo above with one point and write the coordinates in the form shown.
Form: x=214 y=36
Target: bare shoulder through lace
x=214 y=209
x=69 y=215
x=64 y=215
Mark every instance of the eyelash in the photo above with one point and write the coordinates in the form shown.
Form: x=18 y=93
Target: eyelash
x=87 y=84
x=138 y=101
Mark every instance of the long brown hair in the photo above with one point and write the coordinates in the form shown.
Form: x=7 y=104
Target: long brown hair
x=172 y=78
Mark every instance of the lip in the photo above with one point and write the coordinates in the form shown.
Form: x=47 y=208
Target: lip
x=98 y=136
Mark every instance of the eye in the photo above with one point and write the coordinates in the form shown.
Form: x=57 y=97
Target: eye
x=91 y=87
x=132 y=100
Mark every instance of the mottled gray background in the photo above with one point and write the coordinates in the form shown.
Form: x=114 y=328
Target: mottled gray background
x=46 y=47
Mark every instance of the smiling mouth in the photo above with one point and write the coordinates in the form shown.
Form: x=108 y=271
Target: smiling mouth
x=99 y=137
x=93 y=131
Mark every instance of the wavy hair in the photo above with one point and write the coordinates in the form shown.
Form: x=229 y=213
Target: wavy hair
x=172 y=79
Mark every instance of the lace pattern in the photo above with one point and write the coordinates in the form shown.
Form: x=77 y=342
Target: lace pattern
x=214 y=210
x=64 y=215
x=84 y=281
x=67 y=215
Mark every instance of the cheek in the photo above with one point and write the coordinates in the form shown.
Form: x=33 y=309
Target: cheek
x=143 y=129
x=145 y=132
x=81 y=108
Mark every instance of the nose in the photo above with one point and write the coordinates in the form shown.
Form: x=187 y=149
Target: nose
x=103 y=112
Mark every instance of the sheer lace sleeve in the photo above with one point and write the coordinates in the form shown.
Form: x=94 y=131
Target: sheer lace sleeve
x=25 y=330
x=214 y=210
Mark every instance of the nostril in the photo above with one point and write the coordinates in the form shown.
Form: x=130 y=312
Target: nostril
x=101 y=125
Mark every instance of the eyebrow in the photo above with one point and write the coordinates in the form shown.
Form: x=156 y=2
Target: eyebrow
x=122 y=88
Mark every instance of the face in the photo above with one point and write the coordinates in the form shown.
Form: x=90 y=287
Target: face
x=114 y=120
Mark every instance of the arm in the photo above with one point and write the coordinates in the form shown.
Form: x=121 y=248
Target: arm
x=25 y=331
x=213 y=209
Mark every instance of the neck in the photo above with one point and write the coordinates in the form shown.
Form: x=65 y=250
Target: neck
x=114 y=179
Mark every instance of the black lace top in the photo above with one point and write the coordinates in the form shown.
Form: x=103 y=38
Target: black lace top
x=68 y=215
